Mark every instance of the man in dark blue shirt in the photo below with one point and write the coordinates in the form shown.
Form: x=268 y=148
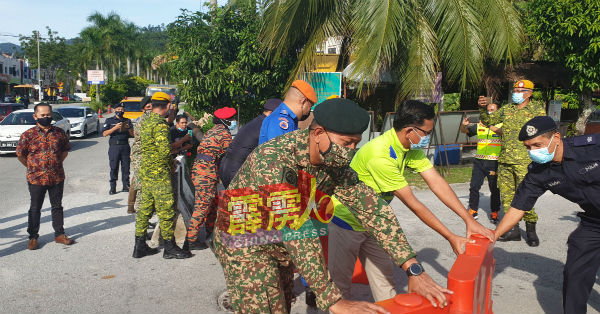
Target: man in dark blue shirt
x=244 y=143
x=569 y=167
x=120 y=130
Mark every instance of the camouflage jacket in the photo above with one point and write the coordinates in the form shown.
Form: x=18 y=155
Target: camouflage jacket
x=215 y=141
x=281 y=158
x=513 y=119
x=136 y=149
x=155 y=147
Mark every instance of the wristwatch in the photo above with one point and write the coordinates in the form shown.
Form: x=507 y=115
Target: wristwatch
x=415 y=269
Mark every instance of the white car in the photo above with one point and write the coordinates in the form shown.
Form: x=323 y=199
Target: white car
x=20 y=121
x=83 y=120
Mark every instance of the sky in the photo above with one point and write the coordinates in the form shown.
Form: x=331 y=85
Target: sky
x=68 y=17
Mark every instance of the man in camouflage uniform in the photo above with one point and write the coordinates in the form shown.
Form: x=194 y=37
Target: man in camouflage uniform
x=260 y=278
x=155 y=174
x=513 y=161
x=133 y=204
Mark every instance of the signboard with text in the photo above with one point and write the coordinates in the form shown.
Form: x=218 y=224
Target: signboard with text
x=95 y=77
x=325 y=84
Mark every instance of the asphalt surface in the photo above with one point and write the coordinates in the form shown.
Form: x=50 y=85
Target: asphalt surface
x=98 y=274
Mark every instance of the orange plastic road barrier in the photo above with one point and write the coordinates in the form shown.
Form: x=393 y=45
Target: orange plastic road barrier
x=359 y=276
x=109 y=109
x=470 y=279
x=99 y=113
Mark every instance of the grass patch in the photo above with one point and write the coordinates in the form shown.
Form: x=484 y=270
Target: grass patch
x=458 y=174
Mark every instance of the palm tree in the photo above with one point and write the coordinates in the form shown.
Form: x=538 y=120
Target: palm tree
x=413 y=39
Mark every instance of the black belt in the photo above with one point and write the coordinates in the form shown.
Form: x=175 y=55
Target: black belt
x=118 y=142
x=205 y=157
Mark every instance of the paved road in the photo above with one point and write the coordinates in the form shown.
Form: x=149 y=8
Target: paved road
x=98 y=275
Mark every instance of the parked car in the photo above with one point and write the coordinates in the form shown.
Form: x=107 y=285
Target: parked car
x=20 y=121
x=593 y=123
x=7 y=108
x=132 y=107
x=82 y=119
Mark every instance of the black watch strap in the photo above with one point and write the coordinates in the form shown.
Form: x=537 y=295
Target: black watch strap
x=415 y=269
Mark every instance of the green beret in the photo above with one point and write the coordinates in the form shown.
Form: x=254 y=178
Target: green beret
x=342 y=116
x=536 y=127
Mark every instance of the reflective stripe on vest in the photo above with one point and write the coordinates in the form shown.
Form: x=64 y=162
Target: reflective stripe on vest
x=488 y=144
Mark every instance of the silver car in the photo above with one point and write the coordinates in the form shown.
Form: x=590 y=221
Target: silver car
x=82 y=119
x=20 y=121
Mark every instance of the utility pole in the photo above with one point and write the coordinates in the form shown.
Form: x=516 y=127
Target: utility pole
x=39 y=68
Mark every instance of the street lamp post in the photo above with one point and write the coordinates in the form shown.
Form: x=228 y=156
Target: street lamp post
x=39 y=68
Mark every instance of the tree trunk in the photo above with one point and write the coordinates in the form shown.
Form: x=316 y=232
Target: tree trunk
x=588 y=108
x=128 y=65
x=137 y=67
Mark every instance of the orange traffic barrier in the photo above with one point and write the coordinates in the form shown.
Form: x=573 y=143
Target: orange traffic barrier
x=109 y=109
x=99 y=113
x=470 y=279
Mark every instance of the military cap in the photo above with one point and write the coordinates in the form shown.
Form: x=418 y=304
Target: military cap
x=117 y=105
x=225 y=113
x=524 y=84
x=161 y=96
x=272 y=104
x=306 y=90
x=537 y=126
x=342 y=115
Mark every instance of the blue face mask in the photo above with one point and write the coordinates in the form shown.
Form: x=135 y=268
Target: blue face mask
x=517 y=98
x=541 y=155
x=423 y=142
x=180 y=129
x=232 y=125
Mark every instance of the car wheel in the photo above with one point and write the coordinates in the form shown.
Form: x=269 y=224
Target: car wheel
x=85 y=131
x=98 y=127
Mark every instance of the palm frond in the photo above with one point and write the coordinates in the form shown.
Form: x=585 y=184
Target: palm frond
x=460 y=39
x=502 y=29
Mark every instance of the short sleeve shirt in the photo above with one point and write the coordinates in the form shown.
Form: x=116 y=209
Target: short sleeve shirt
x=282 y=120
x=43 y=150
x=381 y=162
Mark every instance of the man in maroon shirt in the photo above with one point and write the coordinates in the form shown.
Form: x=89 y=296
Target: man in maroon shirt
x=42 y=149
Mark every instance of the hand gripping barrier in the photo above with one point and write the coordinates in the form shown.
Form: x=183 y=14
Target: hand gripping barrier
x=470 y=278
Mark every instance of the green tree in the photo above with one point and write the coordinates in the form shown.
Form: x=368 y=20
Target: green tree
x=569 y=31
x=217 y=59
x=54 y=57
x=413 y=39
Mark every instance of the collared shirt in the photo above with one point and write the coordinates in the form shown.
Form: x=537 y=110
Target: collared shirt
x=512 y=119
x=156 y=161
x=242 y=145
x=380 y=164
x=136 y=149
x=43 y=150
x=215 y=141
x=275 y=162
x=282 y=120
x=576 y=178
x=117 y=136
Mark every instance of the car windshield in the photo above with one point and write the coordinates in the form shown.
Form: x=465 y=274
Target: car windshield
x=19 y=118
x=170 y=91
x=132 y=106
x=71 y=112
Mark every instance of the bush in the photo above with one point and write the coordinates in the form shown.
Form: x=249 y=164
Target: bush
x=95 y=105
x=114 y=91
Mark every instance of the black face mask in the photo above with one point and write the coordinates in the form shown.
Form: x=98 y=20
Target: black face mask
x=119 y=114
x=304 y=117
x=44 y=121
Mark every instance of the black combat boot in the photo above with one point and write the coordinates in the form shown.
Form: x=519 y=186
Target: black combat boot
x=532 y=238
x=513 y=234
x=142 y=249
x=173 y=251
x=194 y=246
x=113 y=189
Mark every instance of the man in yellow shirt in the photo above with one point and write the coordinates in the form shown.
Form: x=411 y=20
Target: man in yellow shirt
x=380 y=164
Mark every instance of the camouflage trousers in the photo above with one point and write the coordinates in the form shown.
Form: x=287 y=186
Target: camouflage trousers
x=156 y=195
x=257 y=283
x=509 y=178
x=204 y=177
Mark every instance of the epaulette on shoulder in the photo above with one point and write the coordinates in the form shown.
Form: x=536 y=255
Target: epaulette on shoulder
x=584 y=140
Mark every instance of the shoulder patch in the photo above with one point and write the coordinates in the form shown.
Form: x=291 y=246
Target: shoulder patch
x=393 y=153
x=283 y=123
x=584 y=140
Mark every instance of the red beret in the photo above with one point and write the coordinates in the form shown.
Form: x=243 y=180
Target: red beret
x=225 y=113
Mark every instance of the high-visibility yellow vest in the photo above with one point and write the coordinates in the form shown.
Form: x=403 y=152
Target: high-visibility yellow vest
x=489 y=143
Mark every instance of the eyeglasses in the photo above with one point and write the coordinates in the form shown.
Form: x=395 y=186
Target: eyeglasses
x=424 y=132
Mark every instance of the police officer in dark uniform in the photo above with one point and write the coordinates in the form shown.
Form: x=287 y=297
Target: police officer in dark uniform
x=569 y=167
x=120 y=130
x=244 y=143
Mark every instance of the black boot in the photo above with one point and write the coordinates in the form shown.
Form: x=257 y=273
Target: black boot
x=194 y=246
x=532 y=238
x=173 y=251
x=142 y=249
x=513 y=234
x=113 y=189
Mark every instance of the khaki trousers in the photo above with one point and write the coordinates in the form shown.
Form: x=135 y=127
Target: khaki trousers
x=344 y=247
x=180 y=231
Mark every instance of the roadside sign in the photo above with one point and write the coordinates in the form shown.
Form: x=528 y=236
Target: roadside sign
x=554 y=108
x=325 y=84
x=95 y=77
